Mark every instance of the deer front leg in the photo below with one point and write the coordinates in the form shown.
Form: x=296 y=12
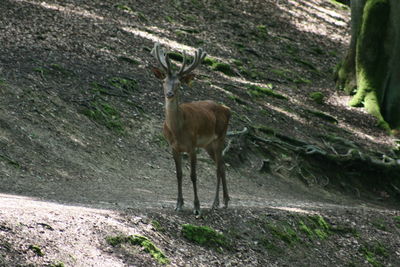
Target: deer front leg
x=178 y=166
x=193 y=177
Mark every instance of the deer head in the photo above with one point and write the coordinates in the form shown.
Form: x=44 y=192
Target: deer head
x=171 y=78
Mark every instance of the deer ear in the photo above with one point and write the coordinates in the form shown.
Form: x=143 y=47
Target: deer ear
x=158 y=73
x=188 y=78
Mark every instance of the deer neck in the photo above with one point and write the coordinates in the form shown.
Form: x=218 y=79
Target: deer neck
x=173 y=114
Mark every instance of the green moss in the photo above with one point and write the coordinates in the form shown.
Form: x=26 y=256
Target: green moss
x=204 y=235
x=397 y=221
x=266 y=130
x=57 y=264
x=323 y=116
x=175 y=56
x=315 y=226
x=126 y=84
x=271 y=246
x=318 y=97
x=261 y=31
x=301 y=80
x=258 y=91
x=284 y=233
x=237 y=99
x=10 y=161
x=371 y=59
x=104 y=114
x=53 y=69
x=129 y=60
x=373 y=251
x=124 y=7
x=157 y=226
x=142 y=241
x=225 y=68
x=380 y=224
x=209 y=61
x=37 y=250
x=305 y=229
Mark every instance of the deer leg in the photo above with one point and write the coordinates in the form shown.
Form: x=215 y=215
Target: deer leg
x=178 y=166
x=211 y=151
x=221 y=175
x=193 y=177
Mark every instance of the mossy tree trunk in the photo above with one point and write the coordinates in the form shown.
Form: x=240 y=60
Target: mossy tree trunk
x=371 y=67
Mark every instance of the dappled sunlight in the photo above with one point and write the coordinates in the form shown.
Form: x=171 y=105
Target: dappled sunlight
x=66 y=9
x=312 y=23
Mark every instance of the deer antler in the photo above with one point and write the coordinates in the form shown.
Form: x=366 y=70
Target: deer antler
x=199 y=55
x=162 y=58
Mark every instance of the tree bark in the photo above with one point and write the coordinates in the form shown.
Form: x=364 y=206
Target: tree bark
x=371 y=67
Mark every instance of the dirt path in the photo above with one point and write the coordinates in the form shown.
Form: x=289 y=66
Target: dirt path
x=82 y=157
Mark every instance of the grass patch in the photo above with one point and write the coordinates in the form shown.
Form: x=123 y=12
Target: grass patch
x=204 y=236
x=142 y=241
x=257 y=91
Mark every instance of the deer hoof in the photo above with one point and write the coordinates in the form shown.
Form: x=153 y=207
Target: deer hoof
x=215 y=205
x=197 y=212
x=179 y=205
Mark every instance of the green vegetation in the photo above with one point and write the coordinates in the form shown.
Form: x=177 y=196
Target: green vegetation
x=37 y=250
x=57 y=264
x=261 y=31
x=204 y=235
x=323 y=116
x=372 y=251
x=237 y=99
x=128 y=60
x=157 y=226
x=142 y=241
x=104 y=114
x=175 y=56
x=286 y=233
x=257 y=91
x=380 y=224
x=53 y=69
x=124 y=7
x=126 y=84
x=318 y=97
x=397 y=221
x=10 y=161
x=225 y=68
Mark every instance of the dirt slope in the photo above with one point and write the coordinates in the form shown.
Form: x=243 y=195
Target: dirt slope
x=82 y=157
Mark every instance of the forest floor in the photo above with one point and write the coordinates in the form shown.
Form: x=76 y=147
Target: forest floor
x=87 y=178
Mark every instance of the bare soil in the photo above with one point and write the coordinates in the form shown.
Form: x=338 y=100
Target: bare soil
x=82 y=157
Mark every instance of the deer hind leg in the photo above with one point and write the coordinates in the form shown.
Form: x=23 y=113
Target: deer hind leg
x=221 y=175
x=178 y=166
x=215 y=152
x=211 y=151
x=193 y=177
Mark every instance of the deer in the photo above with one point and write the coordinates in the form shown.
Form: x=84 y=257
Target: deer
x=192 y=125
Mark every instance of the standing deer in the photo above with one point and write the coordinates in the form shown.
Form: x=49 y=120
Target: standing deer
x=191 y=125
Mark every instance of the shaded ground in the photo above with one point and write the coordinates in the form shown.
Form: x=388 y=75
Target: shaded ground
x=80 y=124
